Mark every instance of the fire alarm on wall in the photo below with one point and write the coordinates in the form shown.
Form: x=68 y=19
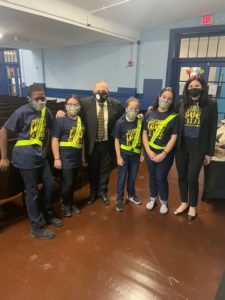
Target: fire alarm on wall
x=130 y=63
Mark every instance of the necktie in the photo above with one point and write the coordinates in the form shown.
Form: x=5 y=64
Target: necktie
x=101 y=123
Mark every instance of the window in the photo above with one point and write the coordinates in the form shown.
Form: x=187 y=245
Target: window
x=10 y=56
x=213 y=46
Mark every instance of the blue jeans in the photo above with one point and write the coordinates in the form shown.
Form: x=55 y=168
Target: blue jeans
x=31 y=178
x=158 y=173
x=127 y=171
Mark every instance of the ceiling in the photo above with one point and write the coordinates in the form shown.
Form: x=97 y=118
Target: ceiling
x=63 y=23
x=146 y=14
x=25 y=30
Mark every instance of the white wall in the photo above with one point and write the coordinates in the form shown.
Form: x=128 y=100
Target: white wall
x=31 y=66
x=80 y=67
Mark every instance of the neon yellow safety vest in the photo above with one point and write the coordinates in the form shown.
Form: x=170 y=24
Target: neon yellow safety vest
x=133 y=148
x=37 y=140
x=158 y=131
x=74 y=142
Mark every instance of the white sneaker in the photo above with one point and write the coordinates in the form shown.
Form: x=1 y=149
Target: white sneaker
x=150 y=205
x=163 y=209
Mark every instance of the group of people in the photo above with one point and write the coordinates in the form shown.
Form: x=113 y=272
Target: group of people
x=97 y=130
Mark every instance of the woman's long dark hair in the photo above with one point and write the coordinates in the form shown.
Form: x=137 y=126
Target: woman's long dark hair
x=155 y=105
x=204 y=98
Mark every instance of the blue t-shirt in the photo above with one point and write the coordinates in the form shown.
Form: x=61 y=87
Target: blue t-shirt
x=151 y=122
x=64 y=129
x=25 y=122
x=125 y=131
x=192 y=121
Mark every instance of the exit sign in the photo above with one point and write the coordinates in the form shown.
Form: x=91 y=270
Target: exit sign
x=207 y=20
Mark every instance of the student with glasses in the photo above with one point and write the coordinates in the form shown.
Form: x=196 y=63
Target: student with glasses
x=67 y=144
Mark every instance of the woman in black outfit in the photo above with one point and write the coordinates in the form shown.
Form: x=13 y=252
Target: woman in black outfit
x=196 y=141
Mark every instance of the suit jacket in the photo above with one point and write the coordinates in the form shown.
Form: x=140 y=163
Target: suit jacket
x=208 y=127
x=89 y=116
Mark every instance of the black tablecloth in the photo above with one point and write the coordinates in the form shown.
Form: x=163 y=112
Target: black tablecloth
x=214 y=180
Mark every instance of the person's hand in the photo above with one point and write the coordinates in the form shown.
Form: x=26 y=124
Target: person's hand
x=120 y=161
x=151 y=154
x=150 y=108
x=4 y=164
x=160 y=157
x=60 y=114
x=142 y=157
x=84 y=163
x=140 y=116
x=207 y=160
x=58 y=164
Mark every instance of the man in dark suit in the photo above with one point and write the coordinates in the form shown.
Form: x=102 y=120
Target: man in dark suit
x=100 y=112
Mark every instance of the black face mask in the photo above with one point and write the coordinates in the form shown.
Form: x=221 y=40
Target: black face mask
x=195 y=92
x=101 y=96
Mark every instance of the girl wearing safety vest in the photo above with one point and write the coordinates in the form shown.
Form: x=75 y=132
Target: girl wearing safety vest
x=127 y=134
x=67 y=142
x=159 y=137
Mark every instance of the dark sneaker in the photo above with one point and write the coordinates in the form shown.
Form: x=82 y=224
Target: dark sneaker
x=105 y=199
x=119 y=207
x=55 y=222
x=75 y=209
x=42 y=233
x=135 y=200
x=66 y=211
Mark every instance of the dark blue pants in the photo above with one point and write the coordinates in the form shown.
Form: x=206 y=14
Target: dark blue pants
x=69 y=180
x=127 y=171
x=158 y=173
x=31 y=179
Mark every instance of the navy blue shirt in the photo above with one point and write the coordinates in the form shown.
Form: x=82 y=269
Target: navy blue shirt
x=192 y=121
x=24 y=122
x=151 y=122
x=125 y=131
x=64 y=129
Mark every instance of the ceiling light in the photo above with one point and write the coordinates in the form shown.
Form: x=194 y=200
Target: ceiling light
x=1 y=35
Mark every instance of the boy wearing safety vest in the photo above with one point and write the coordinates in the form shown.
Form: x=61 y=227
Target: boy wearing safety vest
x=127 y=134
x=67 y=143
x=30 y=123
x=160 y=128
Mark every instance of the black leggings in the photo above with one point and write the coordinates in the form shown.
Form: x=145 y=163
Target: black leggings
x=189 y=160
x=69 y=177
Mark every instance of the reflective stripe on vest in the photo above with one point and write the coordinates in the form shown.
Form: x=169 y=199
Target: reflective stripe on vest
x=74 y=143
x=158 y=131
x=40 y=129
x=133 y=148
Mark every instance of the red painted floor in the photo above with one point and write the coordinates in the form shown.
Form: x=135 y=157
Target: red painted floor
x=102 y=254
